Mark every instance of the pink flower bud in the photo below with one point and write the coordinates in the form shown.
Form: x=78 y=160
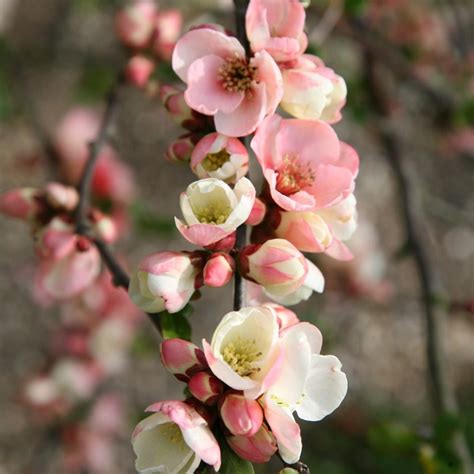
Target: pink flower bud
x=242 y=416
x=182 y=358
x=104 y=226
x=224 y=245
x=258 y=213
x=277 y=265
x=164 y=281
x=134 y=24
x=307 y=231
x=20 y=203
x=61 y=197
x=219 y=270
x=180 y=150
x=168 y=24
x=139 y=69
x=258 y=448
x=221 y=157
x=206 y=388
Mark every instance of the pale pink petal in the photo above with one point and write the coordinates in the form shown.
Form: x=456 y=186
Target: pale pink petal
x=201 y=234
x=263 y=143
x=314 y=278
x=269 y=73
x=325 y=388
x=205 y=92
x=349 y=159
x=339 y=251
x=286 y=431
x=202 y=42
x=245 y=118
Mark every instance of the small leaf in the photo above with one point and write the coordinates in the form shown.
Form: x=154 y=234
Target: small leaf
x=175 y=325
x=288 y=470
x=232 y=464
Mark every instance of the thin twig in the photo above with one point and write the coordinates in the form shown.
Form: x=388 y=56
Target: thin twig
x=119 y=275
x=443 y=392
x=95 y=148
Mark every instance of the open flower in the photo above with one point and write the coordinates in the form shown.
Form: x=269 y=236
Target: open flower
x=310 y=384
x=305 y=165
x=174 y=439
x=163 y=281
x=222 y=82
x=212 y=210
x=244 y=350
x=221 y=157
x=312 y=90
x=277 y=27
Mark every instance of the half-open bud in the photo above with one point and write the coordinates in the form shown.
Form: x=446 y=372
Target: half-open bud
x=61 y=197
x=180 y=150
x=135 y=23
x=218 y=270
x=241 y=416
x=258 y=448
x=206 y=387
x=182 y=358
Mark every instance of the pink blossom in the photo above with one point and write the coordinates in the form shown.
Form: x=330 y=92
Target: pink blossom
x=219 y=270
x=277 y=265
x=241 y=416
x=138 y=70
x=112 y=178
x=181 y=149
x=222 y=83
x=163 y=281
x=182 y=358
x=221 y=157
x=312 y=90
x=20 y=203
x=134 y=24
x=213 y=210
x=174 y=439
x=206 y=387
x=277 y=27
x=61 y=197
x=258 y=448
x=305 y=165
x=168 y=24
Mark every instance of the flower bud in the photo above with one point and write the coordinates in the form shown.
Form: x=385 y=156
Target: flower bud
x=134 y=24
x=241 y=416
x=163 y=281
x=180 y=150
x=168 y=24
x=307 y=231
x=138 y=70
x=258 y=448
x=182 y=358
x=221 y=157
x=61 y=197
x=224 y=245
x=277 y=265
x=206 y=388
x=104 y=226
x=258 y=213
x=20 y=203
x=218 y=270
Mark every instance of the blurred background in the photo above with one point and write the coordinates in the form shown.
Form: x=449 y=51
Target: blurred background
x=410 y=114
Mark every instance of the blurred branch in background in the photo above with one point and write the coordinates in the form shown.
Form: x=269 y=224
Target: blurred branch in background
x=443 y=391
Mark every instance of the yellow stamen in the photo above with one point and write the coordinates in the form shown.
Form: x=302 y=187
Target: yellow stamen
x=241 y=355
x=214 y=161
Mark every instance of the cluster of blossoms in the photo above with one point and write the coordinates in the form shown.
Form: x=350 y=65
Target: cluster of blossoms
x=261 y=367
x=88 y=349
x=262 y=364
x=150 y=34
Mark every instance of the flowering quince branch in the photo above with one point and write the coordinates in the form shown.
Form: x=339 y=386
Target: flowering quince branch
x=444 y=397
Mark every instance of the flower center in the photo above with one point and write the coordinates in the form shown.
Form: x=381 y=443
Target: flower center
x=214 y=161
x=213 y=214
x=293 y=176
x=237 y=74
x=172 y=432
x=241 y=355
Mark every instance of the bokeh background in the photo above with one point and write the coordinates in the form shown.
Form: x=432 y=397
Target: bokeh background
x=56 y=55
